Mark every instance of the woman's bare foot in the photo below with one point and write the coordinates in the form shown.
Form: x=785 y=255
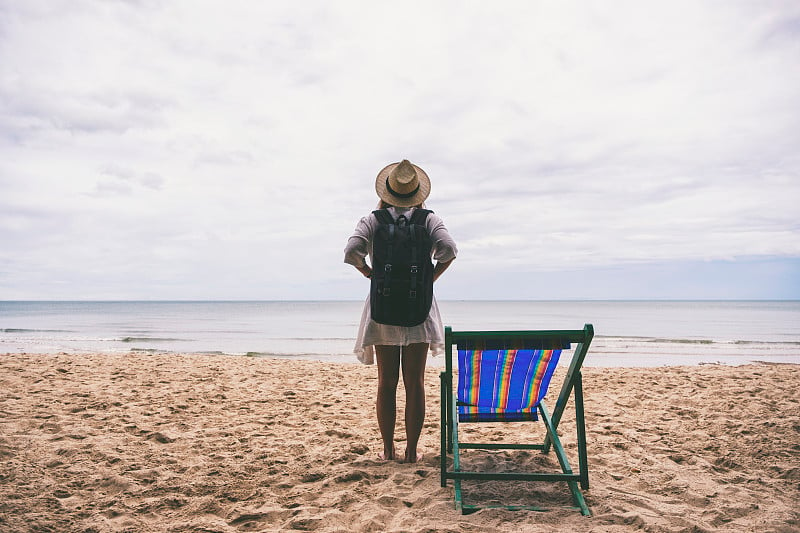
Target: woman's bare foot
x=390 y=456
x=415 y=457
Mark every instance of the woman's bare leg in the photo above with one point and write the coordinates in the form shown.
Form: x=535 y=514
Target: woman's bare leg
x=388 y=358
x=414 y=359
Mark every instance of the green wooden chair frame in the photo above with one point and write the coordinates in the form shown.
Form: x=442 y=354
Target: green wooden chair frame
x=572 y=385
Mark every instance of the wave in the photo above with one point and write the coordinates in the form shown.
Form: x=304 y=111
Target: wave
x=645 y=338
x=26 y=330
x=285 y=355
x=312 y=338
x=149 y=339
x=791 y=343
x=683 y=341
x=663 y=340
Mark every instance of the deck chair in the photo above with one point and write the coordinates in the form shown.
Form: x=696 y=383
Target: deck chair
x=503 y=376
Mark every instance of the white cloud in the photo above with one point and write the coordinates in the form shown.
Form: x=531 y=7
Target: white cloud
x=205 y=149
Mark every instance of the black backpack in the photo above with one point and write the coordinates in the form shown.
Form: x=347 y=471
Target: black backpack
x=401 y=290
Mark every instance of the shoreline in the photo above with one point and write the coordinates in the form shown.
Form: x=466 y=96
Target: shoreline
x=144 y=442
x=605 y=352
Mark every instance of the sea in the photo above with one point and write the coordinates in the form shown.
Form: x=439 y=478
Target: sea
x=627 y=333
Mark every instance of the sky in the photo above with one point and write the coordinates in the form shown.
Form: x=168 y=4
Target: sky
x=226 y=150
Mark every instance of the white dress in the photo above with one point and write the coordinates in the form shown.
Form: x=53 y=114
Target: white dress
x=370 y=333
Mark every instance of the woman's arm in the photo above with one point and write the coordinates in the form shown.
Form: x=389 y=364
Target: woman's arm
x=440 y=267
x=357 y=249
x=444 y=248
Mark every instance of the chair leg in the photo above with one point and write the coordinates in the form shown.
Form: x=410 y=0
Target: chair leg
x=580 y=422
x=573 y=374
x=561 y=455
x=443 y=430
x=459 y=495
x=450 y=420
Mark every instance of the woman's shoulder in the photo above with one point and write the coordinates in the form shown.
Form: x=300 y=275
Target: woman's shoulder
x=369 y=220
x=434 y=219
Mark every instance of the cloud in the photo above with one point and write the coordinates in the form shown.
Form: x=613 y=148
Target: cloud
x=200 y=149
x=116 y=177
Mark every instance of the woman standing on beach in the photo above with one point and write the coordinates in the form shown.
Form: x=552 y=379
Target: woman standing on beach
x=402 y=188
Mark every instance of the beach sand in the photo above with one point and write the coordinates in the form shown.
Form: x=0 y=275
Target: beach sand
x=201 y=443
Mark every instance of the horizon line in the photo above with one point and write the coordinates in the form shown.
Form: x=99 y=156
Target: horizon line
x=361 y=300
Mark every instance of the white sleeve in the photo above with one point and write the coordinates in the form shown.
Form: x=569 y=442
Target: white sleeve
x=357 y=246
x=444 y=247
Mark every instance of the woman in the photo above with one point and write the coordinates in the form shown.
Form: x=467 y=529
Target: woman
x=401 y=187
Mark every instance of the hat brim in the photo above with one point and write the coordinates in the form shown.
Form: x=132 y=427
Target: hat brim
x=389 y=198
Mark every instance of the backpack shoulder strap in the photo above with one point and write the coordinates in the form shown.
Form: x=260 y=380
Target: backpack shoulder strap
x=383 y=216
x=419 y=216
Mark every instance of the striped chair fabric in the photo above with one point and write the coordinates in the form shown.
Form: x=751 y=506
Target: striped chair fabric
x=503 y=385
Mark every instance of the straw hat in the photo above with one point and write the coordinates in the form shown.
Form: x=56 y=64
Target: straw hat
x=402 y=184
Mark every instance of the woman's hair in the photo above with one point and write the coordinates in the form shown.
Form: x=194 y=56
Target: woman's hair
x=386 y=205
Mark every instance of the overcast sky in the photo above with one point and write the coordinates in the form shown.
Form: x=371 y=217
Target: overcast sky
x=225 y=150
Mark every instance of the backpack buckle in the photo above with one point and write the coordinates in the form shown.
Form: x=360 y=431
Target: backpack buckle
x=414 y=269
x=388 y=267
x=386 y=291
x=412 y=294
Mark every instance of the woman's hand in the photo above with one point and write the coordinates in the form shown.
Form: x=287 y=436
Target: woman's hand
x=366 y=270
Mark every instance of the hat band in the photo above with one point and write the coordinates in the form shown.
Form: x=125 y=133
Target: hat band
x=398 y=194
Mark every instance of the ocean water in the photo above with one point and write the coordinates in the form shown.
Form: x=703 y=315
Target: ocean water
x=628 y=333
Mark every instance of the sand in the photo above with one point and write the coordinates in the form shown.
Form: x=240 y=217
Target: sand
x=212 y=443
